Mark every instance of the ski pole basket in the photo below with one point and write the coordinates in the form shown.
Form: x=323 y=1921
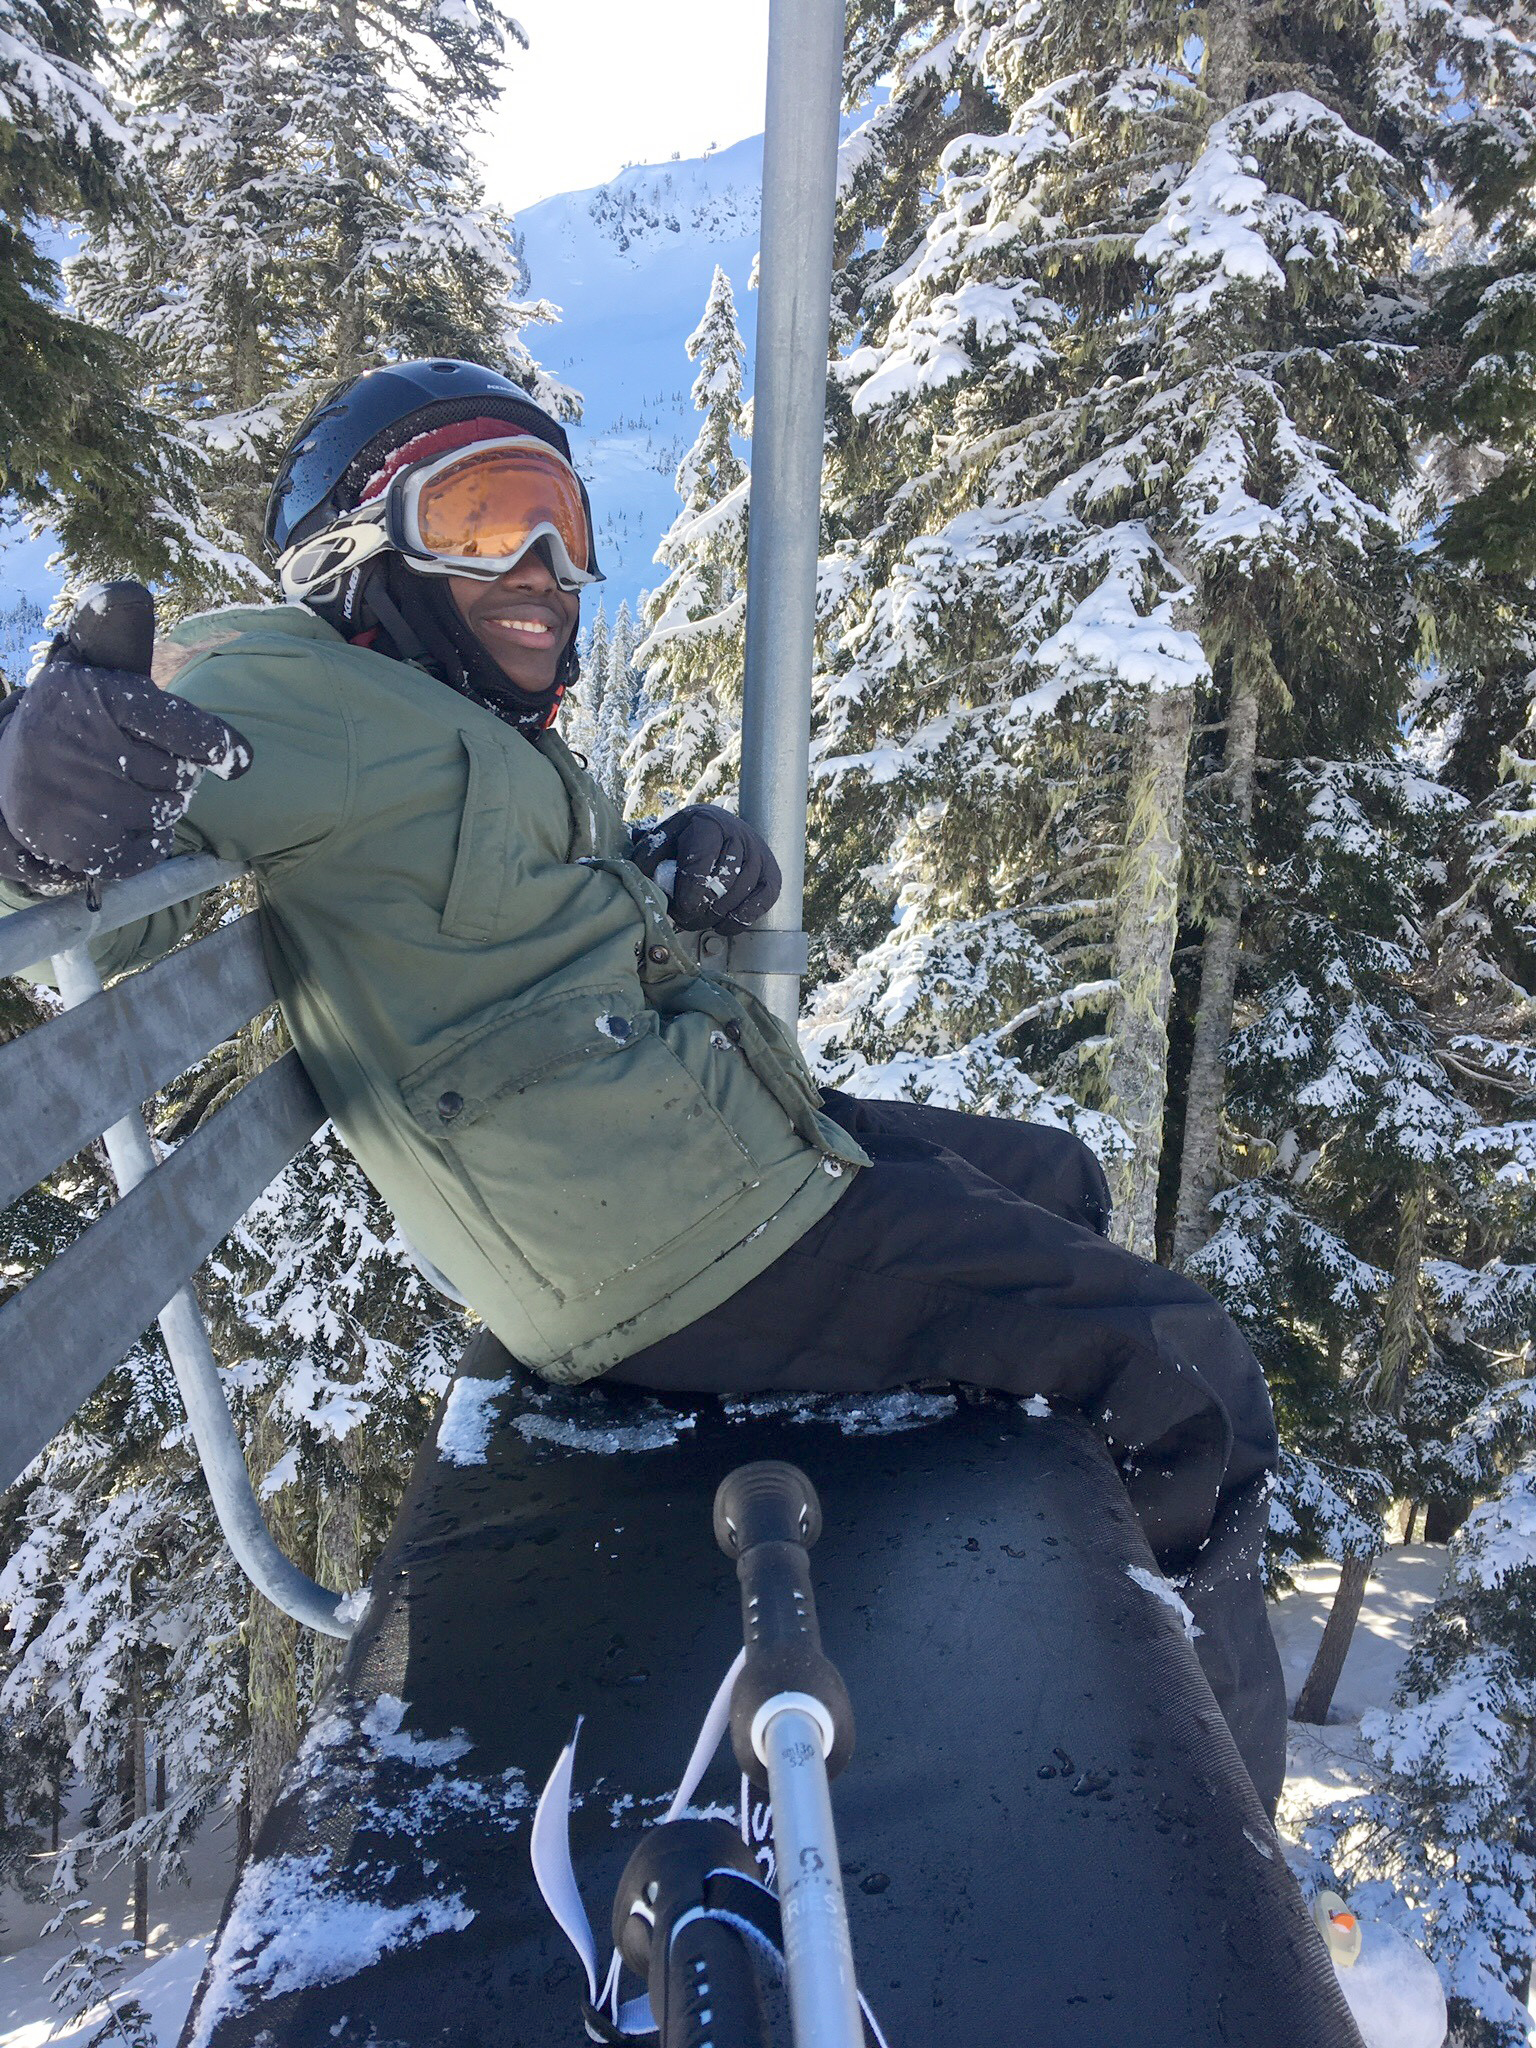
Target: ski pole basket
x=85 y=1074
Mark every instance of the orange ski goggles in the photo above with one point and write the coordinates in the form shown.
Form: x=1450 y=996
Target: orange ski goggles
x=475 y=511
x=478 y=510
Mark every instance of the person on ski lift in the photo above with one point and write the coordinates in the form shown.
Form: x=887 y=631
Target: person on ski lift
x=617 y=1158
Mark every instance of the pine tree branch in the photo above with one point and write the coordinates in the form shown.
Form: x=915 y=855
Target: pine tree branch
x=1483 y=1076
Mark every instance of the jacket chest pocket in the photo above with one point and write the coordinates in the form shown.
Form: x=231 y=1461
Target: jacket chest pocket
x=590 y=1143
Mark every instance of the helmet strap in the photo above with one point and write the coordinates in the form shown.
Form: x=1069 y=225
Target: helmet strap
x=404 y=644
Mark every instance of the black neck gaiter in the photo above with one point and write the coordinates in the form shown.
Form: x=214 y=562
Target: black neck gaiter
x=423 y=606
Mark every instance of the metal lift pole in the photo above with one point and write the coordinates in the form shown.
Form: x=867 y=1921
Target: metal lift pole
x=805 y=74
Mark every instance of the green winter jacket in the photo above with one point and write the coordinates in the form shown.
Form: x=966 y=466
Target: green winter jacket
x=595 y=1141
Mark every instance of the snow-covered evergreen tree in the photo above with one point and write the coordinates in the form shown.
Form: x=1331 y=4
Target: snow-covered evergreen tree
x=1111 y=429
x=694 y=648
x=340 y=1350
x=621 y=703
x=80 y=451
x=1367 y=1252
x=22 y=632
x=133 y=1641
x=317 y=216
x=1446 y=1839
x=581 y=717
x=1388 y=991
x=123 y=1616
x=85 y=1984
x=1445 y=1843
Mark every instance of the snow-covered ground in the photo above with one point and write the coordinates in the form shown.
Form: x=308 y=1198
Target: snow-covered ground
x=1324 y=1763
x=1392 y=1988
x=181 y=1925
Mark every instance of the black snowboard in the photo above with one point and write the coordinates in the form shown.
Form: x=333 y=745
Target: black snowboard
x=1048 y=1837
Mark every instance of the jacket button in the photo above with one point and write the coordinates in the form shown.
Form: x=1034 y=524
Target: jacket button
x=449 y=1105
x=659 y=954
x=733 y=1032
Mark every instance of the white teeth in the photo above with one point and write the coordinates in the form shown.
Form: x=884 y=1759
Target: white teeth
x=529 y=626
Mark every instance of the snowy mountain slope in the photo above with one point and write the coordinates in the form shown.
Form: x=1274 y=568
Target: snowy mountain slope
x=629 y=265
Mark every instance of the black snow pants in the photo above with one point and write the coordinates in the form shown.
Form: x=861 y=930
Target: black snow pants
x=972 y=1249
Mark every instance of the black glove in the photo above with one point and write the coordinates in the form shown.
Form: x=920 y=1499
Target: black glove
x=97 y=766
x=726 y=873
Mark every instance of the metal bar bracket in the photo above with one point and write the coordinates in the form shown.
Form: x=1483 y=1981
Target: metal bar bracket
x=761 y=952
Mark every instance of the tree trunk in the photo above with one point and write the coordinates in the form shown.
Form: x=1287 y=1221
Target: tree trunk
x=241 y=495
x=140 y=1804
x=1525 y=1843
x=1442 y=1518
x=1228 y=67
x=1206 y=1093
x=1146 y=926
x=1316 y=1696
x=1388 y=1386
x=349 y=333
x=1400 y=1323
x=338 y=1553
x=1229 y=54
x=272 y=1643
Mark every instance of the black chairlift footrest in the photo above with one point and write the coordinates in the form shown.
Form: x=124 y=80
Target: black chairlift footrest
x=1043 y=1771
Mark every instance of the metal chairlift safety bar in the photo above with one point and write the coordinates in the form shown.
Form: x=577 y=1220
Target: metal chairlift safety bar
x=135 y=1264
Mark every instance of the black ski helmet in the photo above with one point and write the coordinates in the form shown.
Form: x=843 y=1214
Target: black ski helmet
x=355 y=429
x=344 y=442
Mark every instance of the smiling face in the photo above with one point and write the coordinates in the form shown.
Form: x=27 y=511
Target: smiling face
x=523 y=620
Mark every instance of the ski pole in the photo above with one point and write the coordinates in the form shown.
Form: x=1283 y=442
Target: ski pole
x=695 y=1958
x=792 y=1731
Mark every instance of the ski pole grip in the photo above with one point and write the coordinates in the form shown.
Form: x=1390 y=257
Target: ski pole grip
x=766 y=1517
